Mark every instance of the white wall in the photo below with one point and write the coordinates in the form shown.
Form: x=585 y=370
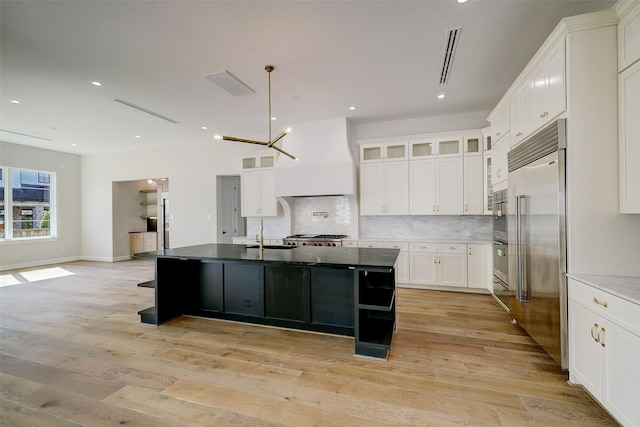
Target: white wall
x=418 y=125
x=65 y=247
x=191 y=170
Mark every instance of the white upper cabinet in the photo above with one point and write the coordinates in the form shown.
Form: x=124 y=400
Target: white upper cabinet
x=500 y=124
x=258 y=186
x=442 y=146
x=629 y=38
x=473 y=191
x=384 y=178
x=522 y=113
x=473 y=145
x=629 y=138
x=499 y=171
x=386 y=151
x=436 y=186
x=549 y=98
x=629 y=110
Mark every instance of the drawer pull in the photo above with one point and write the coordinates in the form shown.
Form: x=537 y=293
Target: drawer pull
x=601 y=336
x=602 y=303
x=594 y=328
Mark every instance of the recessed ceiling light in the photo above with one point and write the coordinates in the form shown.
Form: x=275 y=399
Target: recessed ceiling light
x=217 y=136
x=204 y=128
x=462 y=1
x=74 y=145
x=137 y=136
x=15 y=101
x=353 y=107
x=96 y=83
x=274 y=118
x=441 y=96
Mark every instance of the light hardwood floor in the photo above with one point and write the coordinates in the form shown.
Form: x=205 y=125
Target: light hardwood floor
x=73 y=352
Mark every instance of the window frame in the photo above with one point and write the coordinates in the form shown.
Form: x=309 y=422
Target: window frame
x=9 y=217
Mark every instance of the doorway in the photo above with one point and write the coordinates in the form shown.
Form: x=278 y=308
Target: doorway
x=230 y=222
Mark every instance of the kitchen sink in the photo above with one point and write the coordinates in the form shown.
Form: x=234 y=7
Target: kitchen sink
x=270 y=247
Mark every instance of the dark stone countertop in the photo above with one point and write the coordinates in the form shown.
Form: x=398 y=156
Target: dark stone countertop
x=308 y=255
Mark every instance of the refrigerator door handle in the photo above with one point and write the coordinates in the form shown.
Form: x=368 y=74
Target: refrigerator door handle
x=523 y=293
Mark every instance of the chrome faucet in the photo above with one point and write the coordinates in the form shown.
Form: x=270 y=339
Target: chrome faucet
x=261 y=240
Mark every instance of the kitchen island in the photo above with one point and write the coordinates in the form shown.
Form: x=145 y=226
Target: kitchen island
x=346 y=291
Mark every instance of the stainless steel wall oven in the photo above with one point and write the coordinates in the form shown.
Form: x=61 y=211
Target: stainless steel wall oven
x=500 y=249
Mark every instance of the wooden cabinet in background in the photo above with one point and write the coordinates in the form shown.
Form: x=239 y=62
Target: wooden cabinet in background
x=146 y=241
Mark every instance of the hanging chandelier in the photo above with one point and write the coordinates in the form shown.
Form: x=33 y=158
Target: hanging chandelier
x=271 y=142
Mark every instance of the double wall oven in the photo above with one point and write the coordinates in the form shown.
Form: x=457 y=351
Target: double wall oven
x=500 y=249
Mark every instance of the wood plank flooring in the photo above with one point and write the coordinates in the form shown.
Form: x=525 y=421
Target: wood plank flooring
x=73 y=352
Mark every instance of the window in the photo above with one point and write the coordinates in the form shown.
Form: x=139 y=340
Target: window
x=27 y=211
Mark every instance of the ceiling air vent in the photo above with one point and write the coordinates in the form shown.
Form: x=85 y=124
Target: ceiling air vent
x=145 y=110
x=229 y=82
x=450 y=44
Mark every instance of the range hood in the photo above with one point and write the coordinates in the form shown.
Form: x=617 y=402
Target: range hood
x=325 y=164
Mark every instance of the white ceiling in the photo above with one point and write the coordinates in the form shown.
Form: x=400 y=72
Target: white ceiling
x=382 y=56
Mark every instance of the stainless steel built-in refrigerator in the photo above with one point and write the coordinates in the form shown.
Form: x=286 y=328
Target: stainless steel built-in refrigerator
x=537 y=239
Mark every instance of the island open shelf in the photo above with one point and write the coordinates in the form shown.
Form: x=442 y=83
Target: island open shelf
x=346 y=291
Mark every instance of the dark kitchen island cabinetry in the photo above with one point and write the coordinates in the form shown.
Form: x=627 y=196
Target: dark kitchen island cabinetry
x=346 y=291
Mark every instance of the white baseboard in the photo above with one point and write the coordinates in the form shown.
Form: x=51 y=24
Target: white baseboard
x=39 y=263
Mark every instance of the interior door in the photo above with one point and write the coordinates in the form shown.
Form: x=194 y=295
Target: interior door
x=230 y=222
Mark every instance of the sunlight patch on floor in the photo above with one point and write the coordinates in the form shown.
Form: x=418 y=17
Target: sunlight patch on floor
x=8 y=280
x=45 y=273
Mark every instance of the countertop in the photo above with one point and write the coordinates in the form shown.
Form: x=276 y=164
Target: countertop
x=627 y=288
x=307 y=255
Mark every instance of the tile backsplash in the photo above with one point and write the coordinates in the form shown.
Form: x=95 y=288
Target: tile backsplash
x=439 y=227
x=308 y=215
x=339 y=221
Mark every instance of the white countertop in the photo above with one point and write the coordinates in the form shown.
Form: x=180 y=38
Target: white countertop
x=627 y=288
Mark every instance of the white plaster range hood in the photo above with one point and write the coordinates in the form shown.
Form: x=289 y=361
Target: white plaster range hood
x=325 y=164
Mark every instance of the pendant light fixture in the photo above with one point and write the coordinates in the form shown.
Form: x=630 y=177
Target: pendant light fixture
x=271 y=143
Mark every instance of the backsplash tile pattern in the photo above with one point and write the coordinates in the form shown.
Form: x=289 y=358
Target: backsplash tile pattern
x=445 y=227
x=338 y=220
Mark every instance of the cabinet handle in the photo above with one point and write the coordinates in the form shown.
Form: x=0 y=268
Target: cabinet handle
x=498 y=133
x=434 y=208
x=466 y=207
x=602 y=303
x=594 y=328
x=601 y=333
x=519 y=133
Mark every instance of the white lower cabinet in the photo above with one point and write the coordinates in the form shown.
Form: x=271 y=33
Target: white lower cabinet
x=402 y=264
x=477 y=266
x=604 y=346
x=438 y=264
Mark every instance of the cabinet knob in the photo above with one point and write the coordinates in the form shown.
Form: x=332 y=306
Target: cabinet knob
x=498 y=133
x=519 y=133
